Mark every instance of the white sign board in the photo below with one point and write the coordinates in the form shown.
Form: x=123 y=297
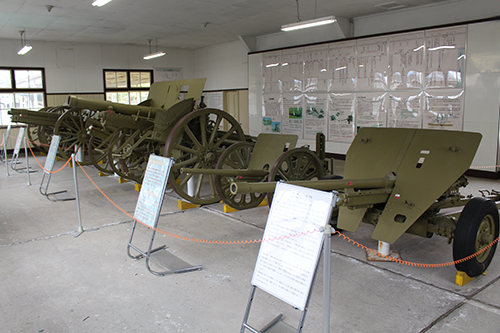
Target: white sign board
x=153 y=188
x=20 y=137
x=292 y=243
x=51 y=156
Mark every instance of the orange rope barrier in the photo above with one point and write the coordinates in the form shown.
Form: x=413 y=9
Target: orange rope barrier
x=408 y=263
x=197 y=240
x=41 y=166
x=253 y=241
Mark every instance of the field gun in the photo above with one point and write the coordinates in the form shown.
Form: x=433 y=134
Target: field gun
x=249 y=161
x=121 y=137
x=408 y=180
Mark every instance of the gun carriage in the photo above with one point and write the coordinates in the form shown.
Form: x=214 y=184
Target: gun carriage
x=408 y=180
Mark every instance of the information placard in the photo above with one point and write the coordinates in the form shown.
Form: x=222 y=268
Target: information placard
x=153 y=188
x=292 y=243
x=20 y=137
x=51 y=156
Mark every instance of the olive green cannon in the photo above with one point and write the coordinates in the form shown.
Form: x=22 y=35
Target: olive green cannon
x=120 y=137
x=271 y=156
x=408 y=180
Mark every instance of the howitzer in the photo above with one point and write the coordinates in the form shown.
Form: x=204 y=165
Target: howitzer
x=247 y=161
x=408 y=180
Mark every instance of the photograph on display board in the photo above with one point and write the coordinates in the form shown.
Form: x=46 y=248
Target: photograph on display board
x=444 y=109
x=371 y=110
x=406 y=61
x=271 y=113
x=405 y=110
x=341 y=117
x=315 y=118
x=293 y=114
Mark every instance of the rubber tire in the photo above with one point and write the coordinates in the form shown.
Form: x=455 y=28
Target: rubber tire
x=466 y=234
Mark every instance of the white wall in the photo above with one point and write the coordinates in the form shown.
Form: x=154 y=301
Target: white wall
x=426 y=16
x=77 y=68
x=225 y=66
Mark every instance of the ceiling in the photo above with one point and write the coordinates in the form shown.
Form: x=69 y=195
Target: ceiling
x=171 y=23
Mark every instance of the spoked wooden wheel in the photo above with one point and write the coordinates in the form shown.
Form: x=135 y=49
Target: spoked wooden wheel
x=237 y=157
x=99 y=146
x=296 y=164
x=71 y=127
x=41 y=135
x=197 y=141
x=129 y=153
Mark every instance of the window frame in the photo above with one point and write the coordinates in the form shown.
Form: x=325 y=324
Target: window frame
x=127 y=89
x=14 y=90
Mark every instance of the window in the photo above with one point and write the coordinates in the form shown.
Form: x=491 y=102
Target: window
x=127 y=86
x=22 y=88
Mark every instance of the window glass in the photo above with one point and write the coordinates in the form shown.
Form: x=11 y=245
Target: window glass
x=121 y=79
x=123 y=98
x=112 y=97
x=28 y=79
x=21 y=79
x=6 y=103
x=118 y=81
x=110 y=79
x=5 y=79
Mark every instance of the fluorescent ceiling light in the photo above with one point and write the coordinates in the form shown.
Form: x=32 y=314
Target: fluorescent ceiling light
x=26 y=48
x=308 y=24
x=154 y=55
x=100 y=3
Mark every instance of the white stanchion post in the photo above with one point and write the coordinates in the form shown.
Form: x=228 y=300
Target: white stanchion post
x=80 y=228
x=191 y=186
x=27 y=160
x=326 y=278
x=384 y=248
x=5 y=154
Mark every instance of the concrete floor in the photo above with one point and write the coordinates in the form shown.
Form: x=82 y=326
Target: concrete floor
x=54 y=282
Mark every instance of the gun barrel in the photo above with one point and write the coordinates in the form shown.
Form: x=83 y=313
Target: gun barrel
x=227 y=172
x=97 y=105
x=325 y=185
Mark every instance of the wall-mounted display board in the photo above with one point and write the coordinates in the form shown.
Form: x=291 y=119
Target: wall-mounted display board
x=402 y=80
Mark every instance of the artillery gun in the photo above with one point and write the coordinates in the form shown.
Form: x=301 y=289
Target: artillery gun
x=408 y=180
x=249 y=161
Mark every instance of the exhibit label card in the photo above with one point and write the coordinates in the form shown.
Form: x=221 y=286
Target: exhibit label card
x=51 y=156
x=153 y=190
x=292 y=243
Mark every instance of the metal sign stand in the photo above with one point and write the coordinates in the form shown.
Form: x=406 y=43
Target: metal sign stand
x=80 y=227
x=15 y=156
x=287 y=283
x=148 y=211
x=3 y=154
x=277 y=325
x=49 y=166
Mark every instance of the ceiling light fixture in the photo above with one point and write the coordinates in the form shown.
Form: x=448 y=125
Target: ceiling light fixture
x=153 y=55
x=100 y=3
x=309 y=23
x=26 y=47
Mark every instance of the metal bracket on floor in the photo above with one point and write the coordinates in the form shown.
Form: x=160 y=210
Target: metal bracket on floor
x=49 y=166
x=161 y=256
